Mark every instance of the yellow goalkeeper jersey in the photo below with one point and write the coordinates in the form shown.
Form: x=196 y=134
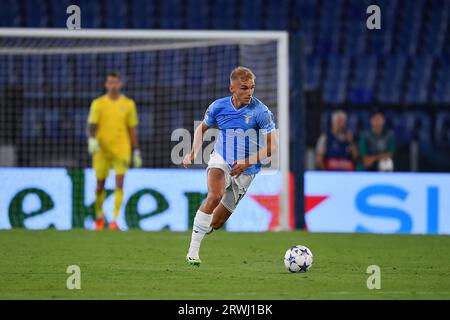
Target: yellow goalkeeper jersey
x=113 y=118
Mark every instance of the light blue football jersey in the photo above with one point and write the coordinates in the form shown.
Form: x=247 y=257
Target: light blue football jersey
x=241 y=130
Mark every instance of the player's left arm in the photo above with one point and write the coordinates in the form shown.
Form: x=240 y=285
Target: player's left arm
x=132 y=131
x=265 y=152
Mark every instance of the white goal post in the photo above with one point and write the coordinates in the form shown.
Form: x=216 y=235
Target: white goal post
x=179 y=39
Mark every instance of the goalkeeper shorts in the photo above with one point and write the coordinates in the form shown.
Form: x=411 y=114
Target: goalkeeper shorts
x=103 y=164
x=235 y=187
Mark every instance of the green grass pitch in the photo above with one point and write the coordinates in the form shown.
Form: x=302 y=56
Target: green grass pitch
x=150 y=265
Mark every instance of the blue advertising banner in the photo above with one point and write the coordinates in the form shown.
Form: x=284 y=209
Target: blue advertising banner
x=378 y=202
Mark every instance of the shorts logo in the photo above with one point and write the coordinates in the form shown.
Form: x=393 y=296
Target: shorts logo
x=247 y=118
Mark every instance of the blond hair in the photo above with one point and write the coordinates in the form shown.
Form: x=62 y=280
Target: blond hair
x=242 y=73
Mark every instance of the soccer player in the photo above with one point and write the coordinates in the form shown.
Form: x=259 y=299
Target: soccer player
x=112 y=126
x=237 y=155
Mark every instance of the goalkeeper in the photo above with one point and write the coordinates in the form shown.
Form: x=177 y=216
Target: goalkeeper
x=112 y=140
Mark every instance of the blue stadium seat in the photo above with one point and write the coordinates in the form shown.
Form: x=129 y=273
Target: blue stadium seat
x=408 y=36
x=10 y=73
x=419 y=80
x=113 y=62
x=91 y=13
x=363 y=81
x=142 y=69
x=59 y=78
x=435 y=29
x=33 y=122
x=171 y=14
x=442 y=129
x=390 y=88
x=358 y=121
x=312 y=67
x=250 y=14
x=116 y=14
x=36 y=14
x=10 y=14
x=224 y=14
x=336 y=79
x=409 y=126
x=441 y=94
x=277 y=15
x=197 y=14
x=58 y=15
x=143 y=14
x=226 y=58
x=303 y=19
x=33 y=72
x=88 y=79
x=79 y=118
x=172 y=63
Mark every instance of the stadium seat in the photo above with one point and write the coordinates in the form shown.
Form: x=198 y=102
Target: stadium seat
x=33 y=73
x=224 y=14
x=358 y=121
x=10 y=14
x=59 y=77
x=171 y=14
x=363 y=80
x=36 y=14
x=171 y=64
x=88 y=80
x=143 y=14
x=441 y=94
x=336 y=79
x=419 y=80
x=390 y=89
x=116 y=14
x=409 y=126
x=250 y=15
x=277 y=15
x=10 y=72
x=142 y=61
x=197 y=14
x=113 y=62
x=58 y=16
x=91 y=16
x=442 y=129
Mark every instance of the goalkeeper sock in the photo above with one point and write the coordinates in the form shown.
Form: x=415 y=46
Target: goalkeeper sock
x=202 y=225
x=118 y=198
x=99 y=198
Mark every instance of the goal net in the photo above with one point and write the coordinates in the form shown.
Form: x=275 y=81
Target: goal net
x=48 y=79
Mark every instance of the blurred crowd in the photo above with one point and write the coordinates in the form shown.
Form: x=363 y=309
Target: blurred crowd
x=337 y=149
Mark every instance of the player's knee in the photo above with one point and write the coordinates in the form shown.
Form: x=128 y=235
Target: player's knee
x=213 y=199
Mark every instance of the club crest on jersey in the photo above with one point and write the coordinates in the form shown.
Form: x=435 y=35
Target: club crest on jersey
x=123 y=109
x=247 y=118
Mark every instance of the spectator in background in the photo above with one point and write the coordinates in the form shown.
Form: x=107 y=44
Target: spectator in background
x=377 y=145
x=335 y=149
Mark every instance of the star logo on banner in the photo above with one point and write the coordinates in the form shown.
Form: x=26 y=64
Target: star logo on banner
x=271 y=203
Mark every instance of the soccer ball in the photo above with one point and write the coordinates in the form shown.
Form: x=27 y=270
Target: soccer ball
x=298 y=259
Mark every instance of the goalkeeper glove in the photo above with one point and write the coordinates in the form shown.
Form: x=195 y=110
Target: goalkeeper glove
x=93 y=145
x=137 y=160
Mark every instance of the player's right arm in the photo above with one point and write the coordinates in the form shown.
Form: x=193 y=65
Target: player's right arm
x=208 y=121
x=93 y=145
x=196 y=145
